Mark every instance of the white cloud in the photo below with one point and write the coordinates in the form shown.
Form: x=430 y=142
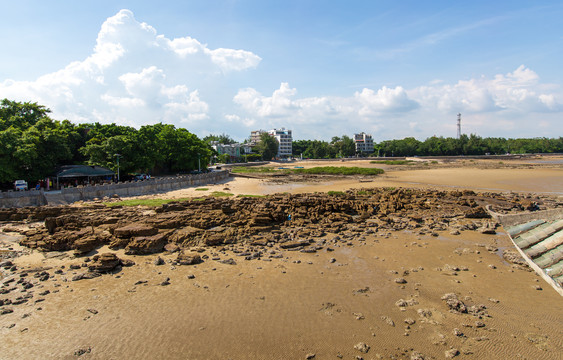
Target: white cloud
x=421 y=111
x=134 y=76
x=279 y=104
x=519 y=91
x=385 y=100
x=237 y=60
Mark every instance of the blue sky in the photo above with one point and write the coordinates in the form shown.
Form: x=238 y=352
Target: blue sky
x=321 y=68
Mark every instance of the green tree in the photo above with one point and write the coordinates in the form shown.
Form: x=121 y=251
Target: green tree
x=20 y=115
x=267 y=147
x=222 y=139
x=343 y=147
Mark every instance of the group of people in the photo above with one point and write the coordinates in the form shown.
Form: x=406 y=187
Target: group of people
x=46 y=184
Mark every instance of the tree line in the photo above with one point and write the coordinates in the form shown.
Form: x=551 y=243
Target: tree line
x=433 y=146
x=467 y=145
x=32 y=145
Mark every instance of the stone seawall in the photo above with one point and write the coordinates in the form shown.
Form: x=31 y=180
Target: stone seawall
x=123 y=189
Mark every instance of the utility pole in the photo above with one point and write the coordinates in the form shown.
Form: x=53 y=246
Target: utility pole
x=459 y=125
x=198 y=163
x=117 y=156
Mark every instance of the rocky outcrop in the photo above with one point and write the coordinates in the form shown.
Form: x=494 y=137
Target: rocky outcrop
x=132 y=230
x=288 y=221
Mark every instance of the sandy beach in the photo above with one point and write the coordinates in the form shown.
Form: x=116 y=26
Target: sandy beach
x=366 y=293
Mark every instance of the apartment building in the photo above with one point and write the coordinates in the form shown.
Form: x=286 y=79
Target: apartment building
x=283 y=136
x=285 y=140
x=364 y=143
x=255 y=136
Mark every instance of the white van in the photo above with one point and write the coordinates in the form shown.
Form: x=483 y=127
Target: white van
x=20 y=185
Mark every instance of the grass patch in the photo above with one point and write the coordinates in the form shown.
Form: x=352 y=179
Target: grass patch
x=392 y=162
x=201 y=189
x=336 y=193
x=221 y=194
x=434 y=162
x=321 y=170
x=252 y=169
x=143 y=202
x=339 y=170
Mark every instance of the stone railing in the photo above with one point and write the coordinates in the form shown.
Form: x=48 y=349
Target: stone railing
x=122 y=189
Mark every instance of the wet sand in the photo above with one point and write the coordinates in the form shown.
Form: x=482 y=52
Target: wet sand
x=321 y=304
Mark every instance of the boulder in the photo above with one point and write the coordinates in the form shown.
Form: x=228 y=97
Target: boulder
x=51 y=224
x=103 y=263
x=294 y=243
x=185 y=235
x=171 y=247
x=214 y=239
x=190 y=258
x=86 y=244
x=146 y=244
x=478 y=212
x=454 y=304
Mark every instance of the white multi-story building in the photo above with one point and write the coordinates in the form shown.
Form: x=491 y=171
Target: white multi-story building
x=285 y=140
x=364 y=142
x=283 y=136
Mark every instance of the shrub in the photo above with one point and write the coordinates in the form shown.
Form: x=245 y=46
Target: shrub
x=339 y=170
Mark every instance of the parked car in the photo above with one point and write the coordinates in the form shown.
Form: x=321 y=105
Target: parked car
x=20 y=185
x=140 y=177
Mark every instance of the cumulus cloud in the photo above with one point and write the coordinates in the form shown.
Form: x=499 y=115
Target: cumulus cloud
x=134 y=76
x=518 y=91
x=421 y=111
x=385 y=100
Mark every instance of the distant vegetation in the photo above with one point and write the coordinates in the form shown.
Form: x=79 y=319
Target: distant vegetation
x=393 y=162
x=322 y=170
x=339 y=170
x=252 y=169
x=434 y=146
x=467 y=145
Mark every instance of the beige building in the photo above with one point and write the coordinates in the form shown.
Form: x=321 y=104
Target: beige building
x=255 y=136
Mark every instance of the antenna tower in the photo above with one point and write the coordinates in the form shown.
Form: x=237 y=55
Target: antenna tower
x=459 y=125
